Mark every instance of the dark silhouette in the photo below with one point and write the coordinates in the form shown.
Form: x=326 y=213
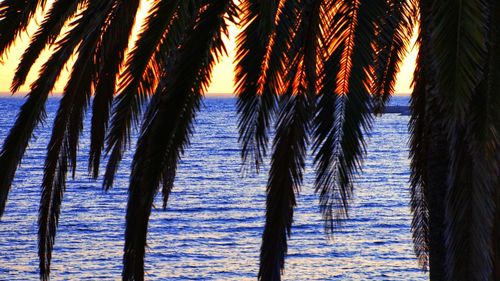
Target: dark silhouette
x=315 y=69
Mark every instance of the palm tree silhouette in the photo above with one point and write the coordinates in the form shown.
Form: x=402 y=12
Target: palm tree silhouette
x=315 y=69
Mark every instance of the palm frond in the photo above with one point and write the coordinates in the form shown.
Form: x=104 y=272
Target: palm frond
x=327 y=130
x=50 y=207
x=59 y=150
x=15 y=16
x=285 y=179
x=493 y=119
x=434 y=186
x=31 y=113
x=393 y=38
x=418 y=154
x=459 y=44
x=305 y=52
x=292 y=138
x=429 y=158
x=419 y=146
x=33 y=110
x=253 y=45
x=469 y=213
x=357 y=106
x=60 y=12
x=65 y=136
x=353 y=30
x=474 y=170
x=167 y=127
x=164 y=26
x=111 y=54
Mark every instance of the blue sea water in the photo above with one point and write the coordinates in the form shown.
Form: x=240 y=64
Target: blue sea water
x=212 y=227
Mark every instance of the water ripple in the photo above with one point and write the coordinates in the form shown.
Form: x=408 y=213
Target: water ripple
x=212 y=227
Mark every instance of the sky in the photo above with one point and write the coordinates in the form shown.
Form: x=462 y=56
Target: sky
x=222 y=76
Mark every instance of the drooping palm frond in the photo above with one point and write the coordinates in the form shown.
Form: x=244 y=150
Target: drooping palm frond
x=496 y=243
x=260 y=114
x=326 y=135
x=492 y=124
x=434 y=185
x=305 y=54
x=430 y=158
x=474 y=168
x=459 y=43
x=15 y=16
x=329 y=103
x=357 y=106
x=62 y=148
x=419 y=144
x=56 y=166
x=167 y=126
x=394 y=36
x=33 y=110
x=110 y=55
x=352 y=31
x=469 y=213
x=87 y=75
x=165 y=24
x=484 y=149
x=60 y=12
x=292 y=137
x=255 y=106
x=285 y=179
x=418 y=155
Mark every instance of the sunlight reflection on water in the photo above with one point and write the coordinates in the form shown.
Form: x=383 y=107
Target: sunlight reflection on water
x=211 y=229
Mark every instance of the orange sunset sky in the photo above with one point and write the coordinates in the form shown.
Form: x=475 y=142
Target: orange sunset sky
x=222 y=79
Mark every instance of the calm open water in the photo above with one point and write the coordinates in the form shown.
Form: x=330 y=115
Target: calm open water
x=211 y=229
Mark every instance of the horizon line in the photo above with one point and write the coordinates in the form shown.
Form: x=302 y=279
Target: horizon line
x=225 y=95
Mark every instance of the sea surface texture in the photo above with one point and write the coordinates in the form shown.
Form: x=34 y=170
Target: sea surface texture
x=211 y=229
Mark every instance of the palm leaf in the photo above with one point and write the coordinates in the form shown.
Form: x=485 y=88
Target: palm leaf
x=434 y=185
x=285 y=179
x=164 y=25
x=167 y=126
x=419 y=147
x=326 y=135
x=65 y=135
x=31 y=113
x=33 y=110
x=291 y=140
x=253 y=46
x=418 y=155
x=353 y=30
x=459 y=45
x=59 y=150
x=469 y=205
x=395 y=33
x=493 y=130
x=15 y=15
x=60 y=12
x=430 y=158
x=474 y=167
x=111 y=54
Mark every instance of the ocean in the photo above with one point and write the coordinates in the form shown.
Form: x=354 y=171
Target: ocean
x=212 y=227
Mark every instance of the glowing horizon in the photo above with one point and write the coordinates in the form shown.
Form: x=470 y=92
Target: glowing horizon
x=222 y=75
